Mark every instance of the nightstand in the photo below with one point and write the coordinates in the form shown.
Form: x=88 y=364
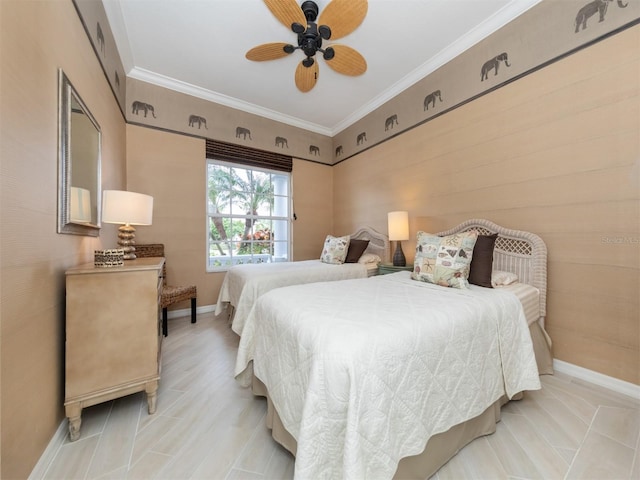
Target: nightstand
x=385 y=268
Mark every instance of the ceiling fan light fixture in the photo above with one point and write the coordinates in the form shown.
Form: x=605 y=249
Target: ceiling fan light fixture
x=324 y=31
x=329 y=53
x=339 y=18
x=298 y=28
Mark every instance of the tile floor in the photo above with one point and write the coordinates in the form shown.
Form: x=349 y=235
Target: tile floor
x=208 y=427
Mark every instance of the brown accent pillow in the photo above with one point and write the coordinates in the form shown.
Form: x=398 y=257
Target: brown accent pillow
x=482 y=261
x=356 y=249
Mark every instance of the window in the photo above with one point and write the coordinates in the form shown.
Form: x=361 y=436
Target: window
x=247 y=215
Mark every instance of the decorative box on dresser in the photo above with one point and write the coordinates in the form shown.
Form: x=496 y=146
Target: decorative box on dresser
x=113 y=335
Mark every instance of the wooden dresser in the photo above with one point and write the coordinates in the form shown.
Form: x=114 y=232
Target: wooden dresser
x=113 y=335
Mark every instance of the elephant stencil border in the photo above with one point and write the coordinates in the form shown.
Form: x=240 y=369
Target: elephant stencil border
x=493 y=64
x=197 y=120
x=590 y=9
x=147 y=108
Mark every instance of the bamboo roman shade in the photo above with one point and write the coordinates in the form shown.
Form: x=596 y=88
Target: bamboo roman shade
x=248 y=156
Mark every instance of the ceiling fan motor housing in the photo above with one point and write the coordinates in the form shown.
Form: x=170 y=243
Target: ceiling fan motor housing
x=310 y=41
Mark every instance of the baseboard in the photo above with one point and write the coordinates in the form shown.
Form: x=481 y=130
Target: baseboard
x=617 y=385
x=50 y=452
x=185 y=312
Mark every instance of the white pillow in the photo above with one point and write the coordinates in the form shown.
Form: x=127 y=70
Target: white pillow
x=501 y=278
x=367 y=258
x=335 y=249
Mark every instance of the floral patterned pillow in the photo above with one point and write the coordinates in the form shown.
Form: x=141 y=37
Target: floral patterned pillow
x=444 y=260
x=335 y=249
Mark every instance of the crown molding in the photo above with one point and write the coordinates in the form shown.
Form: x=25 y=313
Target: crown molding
x=211 y=96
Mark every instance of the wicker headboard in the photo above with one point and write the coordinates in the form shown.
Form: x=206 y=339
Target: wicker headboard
x=378 y=242
x=522 y=253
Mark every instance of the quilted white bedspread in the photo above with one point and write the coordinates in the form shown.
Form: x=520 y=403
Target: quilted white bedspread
x=243 y=284
x=363 y=372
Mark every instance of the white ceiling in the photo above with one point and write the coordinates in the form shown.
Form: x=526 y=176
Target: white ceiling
x=198 y=47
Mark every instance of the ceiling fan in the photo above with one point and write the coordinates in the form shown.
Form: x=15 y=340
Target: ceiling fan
x=338 y=19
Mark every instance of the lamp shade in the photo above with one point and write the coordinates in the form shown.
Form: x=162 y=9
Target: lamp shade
x=123 y=207
x=80 y=203
x=398 y=223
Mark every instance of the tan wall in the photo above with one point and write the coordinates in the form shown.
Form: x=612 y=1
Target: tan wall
x=554 y=153
x=313 y=206
x=37 y=37
x=172 y=168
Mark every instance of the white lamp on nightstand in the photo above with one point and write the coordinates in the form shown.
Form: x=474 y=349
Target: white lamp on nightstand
x=128 y=209
x=398 y=223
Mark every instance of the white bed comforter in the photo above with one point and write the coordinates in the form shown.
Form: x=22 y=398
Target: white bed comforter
x=363 y=372
x=243 y=284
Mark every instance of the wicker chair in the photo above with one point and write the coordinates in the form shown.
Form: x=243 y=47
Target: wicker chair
x=170 y=293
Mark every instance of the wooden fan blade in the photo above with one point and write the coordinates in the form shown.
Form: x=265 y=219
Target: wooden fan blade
x=343 y=16
x=287 y=11
x=306 y=77
x=267 y=51
x=347 y=61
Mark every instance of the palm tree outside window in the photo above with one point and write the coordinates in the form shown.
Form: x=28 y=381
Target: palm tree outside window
x=248 y=218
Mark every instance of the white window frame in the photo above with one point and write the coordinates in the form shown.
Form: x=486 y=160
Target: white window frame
x=280 y=254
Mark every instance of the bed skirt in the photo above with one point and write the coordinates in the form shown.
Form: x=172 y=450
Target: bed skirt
x=541 y=348
x=439 y=449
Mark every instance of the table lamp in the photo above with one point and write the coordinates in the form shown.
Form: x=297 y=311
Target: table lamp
x=127 y=209
x=398 y=223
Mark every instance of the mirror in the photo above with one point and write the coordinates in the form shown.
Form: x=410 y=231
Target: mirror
x=79 y=149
